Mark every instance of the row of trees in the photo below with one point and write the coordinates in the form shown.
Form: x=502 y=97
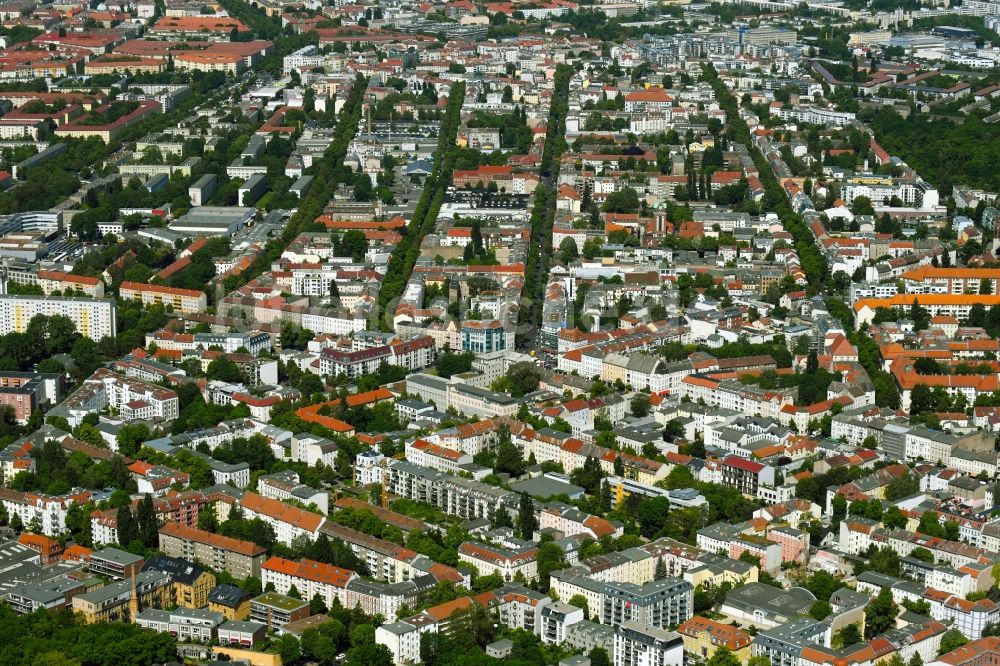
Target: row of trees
x=543 y=212
x=404 y=257
x=811 y=259
x=328 y=173
x=60 y=638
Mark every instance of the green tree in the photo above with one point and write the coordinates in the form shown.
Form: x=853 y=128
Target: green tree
x=317 y=606
x=527 y=523
x=369 y=655
x=894 y=518
x=520 y=379
x=580 y=601
x=723 y=656
x=820 y=609
x=991 y=629
x=61 y=638
x=568 y=250
x=146 y=523
x=599 y=657
x=362 y=634
x=839 y=505
x=812 y=363
x=354 y=244
x=288 y=648
x=502 y=518
x=951 y=640
x=550 y=558
x=450 y=363
x=652 y=516
x=319 y=645
x=822 y=584
x=661 y=569
x=207 y=518
x=850 y=635
x=880 y=614
x=128 y=530
x=130 y=438
x=640 y=404
x=930 y=525
x=224 y=370
x=508 y=457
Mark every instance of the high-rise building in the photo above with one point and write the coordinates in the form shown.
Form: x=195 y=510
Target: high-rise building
x=93 y=318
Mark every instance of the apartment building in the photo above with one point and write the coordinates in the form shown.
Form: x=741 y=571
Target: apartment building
x=556 y=617
x=213 y=28
x=731 y=394
x=703 y=637
x=427 y=454
x=950 y=280
x=389 y=562
x=638 y=644
x=114 y=563
x=85 y=127
x=148 y=369
x=570 y=521
x=131 y=398
x=198 y=61
x=881 y=189
x=515 y=606
x=276 y=610
x=747 y=476
x=233 y=602
x=237 y=633
x=660 y=603
x=475 y=401
x=982 y=652
x=191 y=583
x=309 y=578
x=47 y=590
x=229 y=342
x=188 y=625
x=93 y=318
x=506 y=562
x=803 y=642
x=815 y=115
x=157 y=480
x=24 y=392
x=311 y=450
x=429 y=388
x=240 y=559
x=116 y=602
x=969 y=617
x=386 y=599
x=51 y=281
x=455 y=495
x=954 y=305
x=483 y=337
x=185 y=301
x=288 y=521
x=49 y=511
x=413 y=354
x=285 y=485
x=767 y=551
x=115 y=64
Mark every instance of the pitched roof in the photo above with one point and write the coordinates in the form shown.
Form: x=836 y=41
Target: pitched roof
x=248 y=548
x=282 y=512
